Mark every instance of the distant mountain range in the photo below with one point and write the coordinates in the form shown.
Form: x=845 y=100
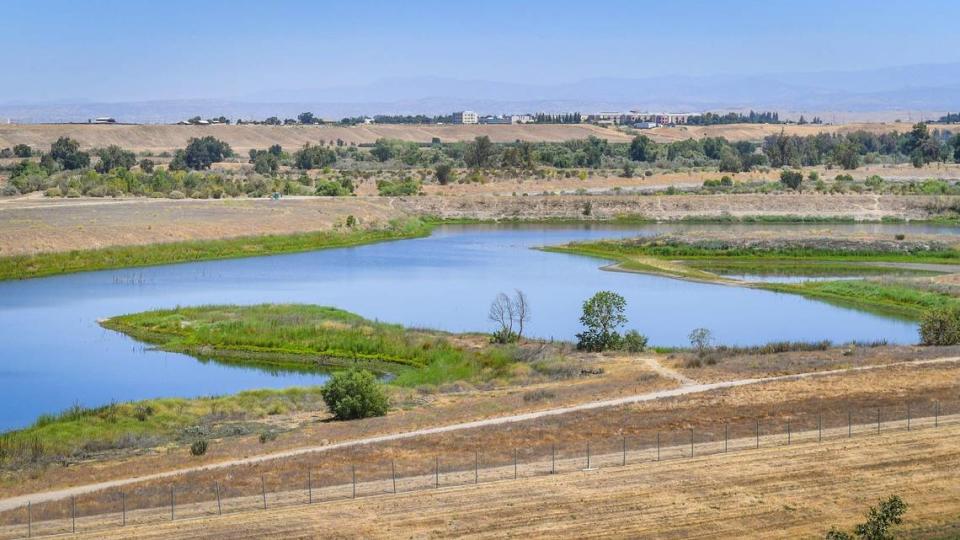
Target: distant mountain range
x=918 y=88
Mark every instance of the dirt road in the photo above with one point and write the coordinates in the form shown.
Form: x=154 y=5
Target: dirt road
x=690 y=387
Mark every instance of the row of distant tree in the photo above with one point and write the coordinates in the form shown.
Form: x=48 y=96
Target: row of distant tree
x=308 y=118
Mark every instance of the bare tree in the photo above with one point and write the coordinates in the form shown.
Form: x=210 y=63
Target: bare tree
x=521 y=310
x=508 y=313
x=502 y=313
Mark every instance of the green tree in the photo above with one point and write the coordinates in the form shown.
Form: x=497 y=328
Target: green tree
x=847 y=155
x=730 y=161
x=66 y=152
x=791 y=179
x=384 y=149
x=642 y=148
x=314 y=157
x=940 y=327
x=353 y=394
x=479 y=152
x=113 y=157
x=603 y=314
x=201 y=153
x=701 y=339
x=22 y=151
x=147 y=165
x=306 y=118
x=880 y=521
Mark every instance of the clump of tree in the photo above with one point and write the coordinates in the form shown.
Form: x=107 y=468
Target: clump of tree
x=510 y=315
x=479 y=153
x=879 y=524
x=355 y=394
x=200 y=154
x=335 y=188
x=266 y=161
x=22 y=151
x=398 y=188
x=314 y=157
x=65 y=153
x=940 y=327
x=113 y=157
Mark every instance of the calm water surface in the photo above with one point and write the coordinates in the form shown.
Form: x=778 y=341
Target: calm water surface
x=55 y=354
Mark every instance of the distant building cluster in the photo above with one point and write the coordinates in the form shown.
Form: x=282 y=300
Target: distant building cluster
x=638 y=119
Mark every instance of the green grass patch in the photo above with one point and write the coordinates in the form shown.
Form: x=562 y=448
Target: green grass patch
x=890 y=299
x=48 y=264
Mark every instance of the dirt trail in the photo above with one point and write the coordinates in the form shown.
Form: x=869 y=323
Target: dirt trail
x=685 y=389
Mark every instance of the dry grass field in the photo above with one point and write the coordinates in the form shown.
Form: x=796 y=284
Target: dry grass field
x=780 y=492
x=166 y=138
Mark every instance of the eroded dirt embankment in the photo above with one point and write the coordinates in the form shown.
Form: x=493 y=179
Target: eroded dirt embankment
x=36 y=224
x=676 y=207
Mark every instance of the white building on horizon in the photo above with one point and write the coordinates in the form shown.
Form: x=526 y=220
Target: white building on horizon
x=466 y=117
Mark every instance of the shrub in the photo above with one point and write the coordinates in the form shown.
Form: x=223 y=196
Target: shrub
x=634 y=341
x=22 y=151
x=199 y=447
x=54 y=192
x=407 y=186
x=355 y=394
x=791 y=179
x=176 y=195
x=444 y=174
x=940 y=327
x=267 y=436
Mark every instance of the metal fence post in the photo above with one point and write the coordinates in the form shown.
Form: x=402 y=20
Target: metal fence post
x=476 y=466
x=588 y=454
x=658 y=446
x=73 y=513
x=172 y=503
x=436 y=472
x=878 y=420
x=936 y=413
x=553 y=458
x=849 y=423
x=691 y=442
x=908 y=417
x=219 y=507
x=726 y=437
x=123 y=508
x=789 y=434
x=393 y=474
x=353 y=469
x=758 y=433
x=623 y=462
x=514 y=463
x=263 y=491
x=820 y=427
x=309 y=486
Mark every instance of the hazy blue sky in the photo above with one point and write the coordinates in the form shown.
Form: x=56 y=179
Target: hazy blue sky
x=135 y=49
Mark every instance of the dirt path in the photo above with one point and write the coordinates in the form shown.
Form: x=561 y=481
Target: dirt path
x=685 y=389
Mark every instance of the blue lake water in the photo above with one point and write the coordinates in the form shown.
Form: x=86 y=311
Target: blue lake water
x=55 y=354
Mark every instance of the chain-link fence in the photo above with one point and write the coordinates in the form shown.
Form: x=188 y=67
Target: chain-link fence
x=249 y=487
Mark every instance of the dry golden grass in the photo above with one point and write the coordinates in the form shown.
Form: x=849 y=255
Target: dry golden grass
x=776 y=492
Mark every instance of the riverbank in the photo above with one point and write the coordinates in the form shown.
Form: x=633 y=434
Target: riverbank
x=66 y=262
x=702 y=259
